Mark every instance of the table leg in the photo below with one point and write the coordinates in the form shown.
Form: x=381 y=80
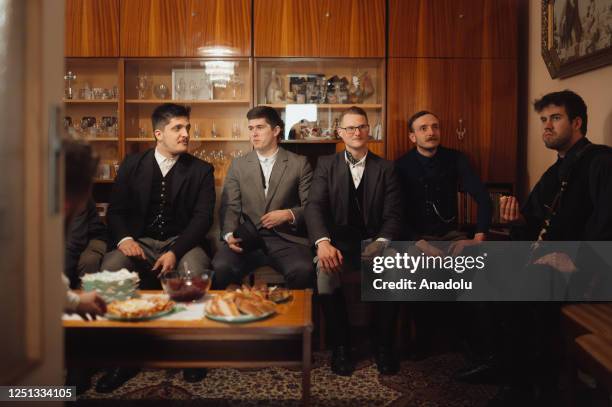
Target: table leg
x=306 y=361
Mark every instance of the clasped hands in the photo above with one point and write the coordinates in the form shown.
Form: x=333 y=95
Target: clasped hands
x=164 y=263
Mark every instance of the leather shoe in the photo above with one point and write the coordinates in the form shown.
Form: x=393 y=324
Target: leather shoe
x=80 y=378
x=386 y=361
x=194 y=375
x=342 y=363
x=114 y=378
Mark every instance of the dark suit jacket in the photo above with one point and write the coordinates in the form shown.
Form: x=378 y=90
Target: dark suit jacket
x=243 y=192
x=328 y=201
x=193 y=197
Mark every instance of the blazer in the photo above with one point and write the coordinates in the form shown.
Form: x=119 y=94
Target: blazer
x=243 y=192
x=193 y=198
x=327 y=212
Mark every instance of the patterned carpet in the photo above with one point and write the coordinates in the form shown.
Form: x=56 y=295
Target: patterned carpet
x=425 y=383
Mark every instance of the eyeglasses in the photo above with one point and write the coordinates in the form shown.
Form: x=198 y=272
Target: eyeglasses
x=351 y=129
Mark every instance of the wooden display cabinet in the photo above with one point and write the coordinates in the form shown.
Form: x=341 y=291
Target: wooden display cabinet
x=218 y=106
x=329 y=103
x=96 y=93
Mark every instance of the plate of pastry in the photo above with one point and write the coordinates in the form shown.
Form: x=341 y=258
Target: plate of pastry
x=140 y=309
x=238 y=307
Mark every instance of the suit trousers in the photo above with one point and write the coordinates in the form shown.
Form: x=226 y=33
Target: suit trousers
x=292 y=260
x=337 y=325
x=196 y=259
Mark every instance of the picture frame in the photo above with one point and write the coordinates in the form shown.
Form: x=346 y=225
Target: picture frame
x=576 y=35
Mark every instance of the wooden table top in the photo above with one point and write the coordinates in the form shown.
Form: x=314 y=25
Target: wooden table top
x=293 y=316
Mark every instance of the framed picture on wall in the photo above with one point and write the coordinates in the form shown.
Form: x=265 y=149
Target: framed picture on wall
x=576 y=35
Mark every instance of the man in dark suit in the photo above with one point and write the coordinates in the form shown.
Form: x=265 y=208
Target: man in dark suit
x=270 y=185
x=354 y=196
x=161 y=209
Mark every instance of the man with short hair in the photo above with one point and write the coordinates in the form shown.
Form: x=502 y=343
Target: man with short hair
x=269 y=185
x=572 y=201
x=354 y=196
x=431 y=175
x=161 y=209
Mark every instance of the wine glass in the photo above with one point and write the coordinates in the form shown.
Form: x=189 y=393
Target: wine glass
x=180 y=87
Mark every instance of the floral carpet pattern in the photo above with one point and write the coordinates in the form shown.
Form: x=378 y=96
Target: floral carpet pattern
x=426 y=383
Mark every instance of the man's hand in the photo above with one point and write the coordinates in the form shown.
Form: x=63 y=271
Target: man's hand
x=90 y=305
x=131 y=249
x=428 y=249
x=372 y=250
x=457 y=247
x=330 y=258
x=166 y=262
x=275 y=218
x=234 y=244
x=509 y=209
x=559 y=261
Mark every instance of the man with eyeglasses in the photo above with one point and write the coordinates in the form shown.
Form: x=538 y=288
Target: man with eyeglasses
x=270 y=186
x=430 y=176
x=354 y=196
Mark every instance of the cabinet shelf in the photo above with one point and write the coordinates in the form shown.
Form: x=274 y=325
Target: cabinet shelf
x=189 y=101
x=331 y=106
x=101 y=138
x=302 y=141
x=198 y=140
x=88 y=101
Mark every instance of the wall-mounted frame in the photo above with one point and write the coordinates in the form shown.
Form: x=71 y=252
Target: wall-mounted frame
x=576 y=35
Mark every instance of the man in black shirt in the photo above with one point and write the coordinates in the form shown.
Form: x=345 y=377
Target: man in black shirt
x=431 y=176
x=571 y=202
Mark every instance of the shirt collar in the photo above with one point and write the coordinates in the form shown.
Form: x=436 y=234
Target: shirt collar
x=271 y=158
x=575 y=148
x=161 y=159
x=360 y=163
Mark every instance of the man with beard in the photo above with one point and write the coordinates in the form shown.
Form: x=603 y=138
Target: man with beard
x=572 y=201
x=431 y=175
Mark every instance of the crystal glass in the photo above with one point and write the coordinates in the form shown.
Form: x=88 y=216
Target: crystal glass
x=142 y=85
x=180 y=87
x=186 y=285
x=236 y=130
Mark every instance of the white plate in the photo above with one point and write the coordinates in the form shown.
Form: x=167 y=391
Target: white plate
x=114 y=317
x=235 y=320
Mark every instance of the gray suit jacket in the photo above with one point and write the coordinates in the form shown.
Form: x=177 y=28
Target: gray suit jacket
x=243 y=192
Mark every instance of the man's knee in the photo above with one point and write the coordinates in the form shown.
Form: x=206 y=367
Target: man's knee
x=300 y=274
x=115 y=261
x=195 y=258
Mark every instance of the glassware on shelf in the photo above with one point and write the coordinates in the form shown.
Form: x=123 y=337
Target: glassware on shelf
x=274 y=90
x=69 y=77
x=160 y=91
x=115 y=92
x=236 y=86
x=194 y=89
x=85 y=92
x=236 y=130
x=197 y=131
x=142 y=85
x=213 y=131
x=142 y=132
x=180 y=87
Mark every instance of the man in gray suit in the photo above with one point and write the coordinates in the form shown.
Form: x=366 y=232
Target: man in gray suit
x=270 y=185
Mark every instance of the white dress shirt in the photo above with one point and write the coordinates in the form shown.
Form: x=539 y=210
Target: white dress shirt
x=165 y=163
x=356 y=169
x=267 y=163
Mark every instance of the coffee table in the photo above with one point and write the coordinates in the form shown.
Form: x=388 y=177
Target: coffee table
x=281 y=340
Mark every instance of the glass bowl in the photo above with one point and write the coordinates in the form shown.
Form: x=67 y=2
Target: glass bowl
x=186 y=286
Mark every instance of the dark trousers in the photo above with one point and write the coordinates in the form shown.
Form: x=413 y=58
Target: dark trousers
x=337 y=326
x=292 y=260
